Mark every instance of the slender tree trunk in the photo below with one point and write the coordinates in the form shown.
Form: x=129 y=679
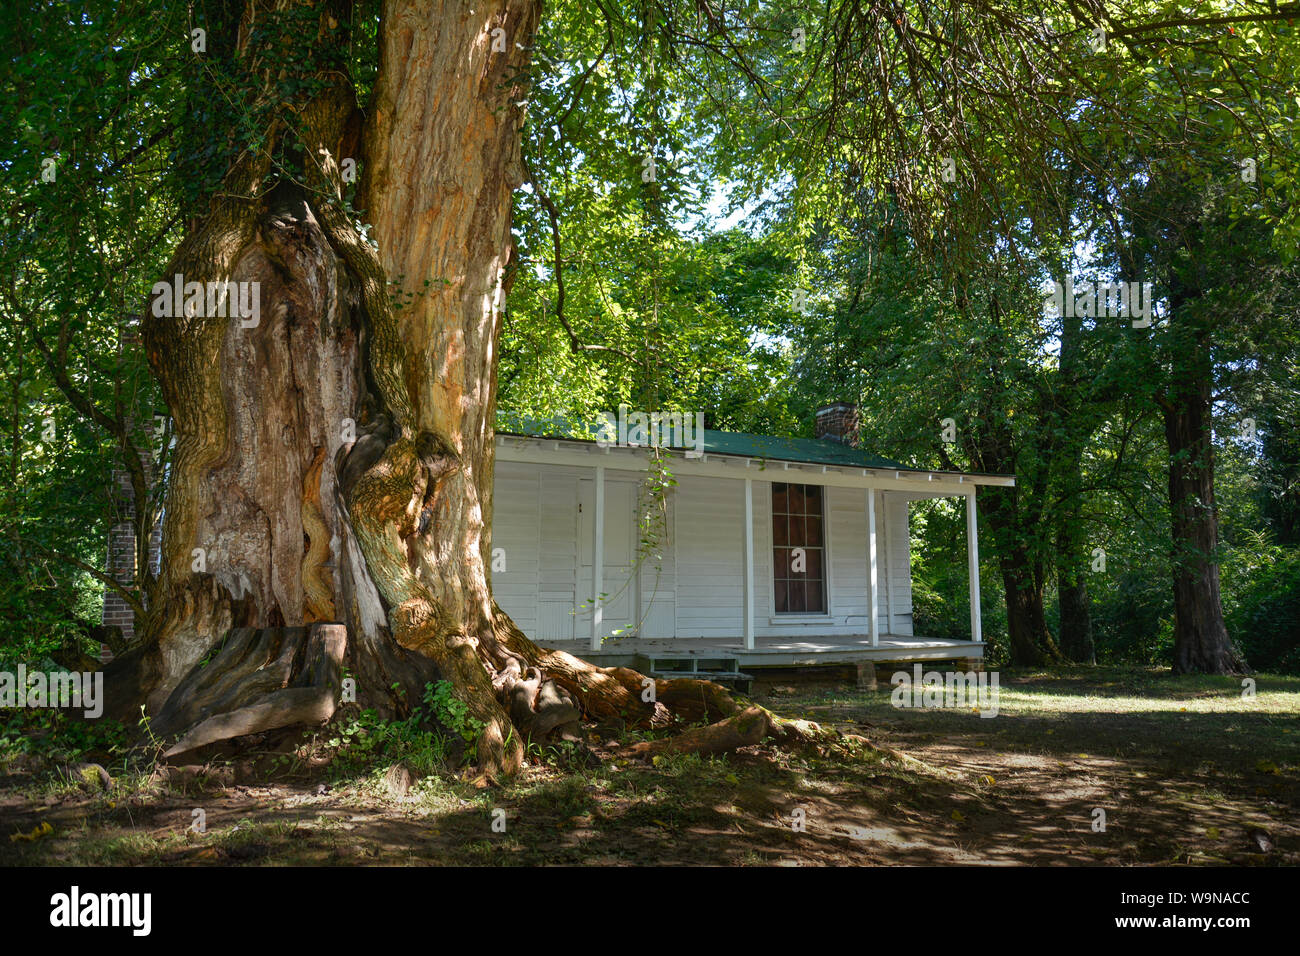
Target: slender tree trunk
x=1076 y=616
x=1031 y=641
x=1012 y=524
x=1071 y=544
x=1072 y=571
x=1030 y=638
x=1012 y=515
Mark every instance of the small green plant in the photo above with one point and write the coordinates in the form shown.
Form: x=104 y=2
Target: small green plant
x=145 y=723
x=560 y=755
x=453 y=713
x=56 y=735
x=365 y=740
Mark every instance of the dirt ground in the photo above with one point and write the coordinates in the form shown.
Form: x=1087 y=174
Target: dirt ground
x=1186 y=771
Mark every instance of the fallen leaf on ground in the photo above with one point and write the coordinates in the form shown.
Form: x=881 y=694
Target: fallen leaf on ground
x=42 y=830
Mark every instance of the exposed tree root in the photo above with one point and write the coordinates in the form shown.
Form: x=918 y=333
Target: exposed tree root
x=620 y=693
x=747 y=728
x=270 y=678
x=260 y=679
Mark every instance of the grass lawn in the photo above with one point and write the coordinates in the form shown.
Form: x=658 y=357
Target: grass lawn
x=1185 y=769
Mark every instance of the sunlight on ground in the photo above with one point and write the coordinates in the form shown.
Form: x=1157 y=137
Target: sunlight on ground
x=1014 y=701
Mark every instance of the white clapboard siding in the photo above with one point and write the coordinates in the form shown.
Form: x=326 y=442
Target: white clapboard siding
x=516 y=541
x=618 y=583
x=900 y=564
x=658 y=582
x=846 y=524
x=763 y=600
x=558 y=572
x=710 y=563
x=697 y=590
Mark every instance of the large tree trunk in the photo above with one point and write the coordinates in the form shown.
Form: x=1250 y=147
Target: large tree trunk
x=334 y=463
x=1201 y=642
x=275 y=421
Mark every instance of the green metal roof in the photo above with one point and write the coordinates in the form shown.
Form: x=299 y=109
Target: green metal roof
x=811 y=451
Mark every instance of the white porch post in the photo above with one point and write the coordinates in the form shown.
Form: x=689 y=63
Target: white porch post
x=873 y=602
x=749 y=564
x=973 y=566
x=888 y=566
x=598 y=560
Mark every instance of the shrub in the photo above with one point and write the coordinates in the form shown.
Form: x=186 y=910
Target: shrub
x=1264 y=613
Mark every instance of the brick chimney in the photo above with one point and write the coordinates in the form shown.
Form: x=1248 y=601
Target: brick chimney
x=839 y=422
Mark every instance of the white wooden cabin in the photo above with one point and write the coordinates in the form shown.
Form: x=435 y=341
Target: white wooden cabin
x=723 y=584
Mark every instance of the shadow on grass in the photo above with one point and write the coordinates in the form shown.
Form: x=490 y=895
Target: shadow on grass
x=1177 y=786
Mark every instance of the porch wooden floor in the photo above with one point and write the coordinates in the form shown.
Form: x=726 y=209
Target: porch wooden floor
x=777 y=651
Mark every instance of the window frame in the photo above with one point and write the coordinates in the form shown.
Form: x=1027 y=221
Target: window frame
x=781 y=617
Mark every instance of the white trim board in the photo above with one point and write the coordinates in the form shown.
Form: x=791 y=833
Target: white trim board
x=580 y=454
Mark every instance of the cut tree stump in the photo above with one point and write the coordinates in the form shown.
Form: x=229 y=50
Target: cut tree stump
x=259 y=679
